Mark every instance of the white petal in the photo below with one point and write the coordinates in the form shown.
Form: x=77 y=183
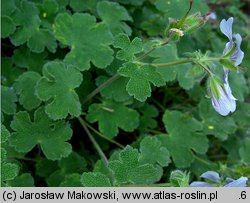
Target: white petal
x=238 y=55
x=226 y=28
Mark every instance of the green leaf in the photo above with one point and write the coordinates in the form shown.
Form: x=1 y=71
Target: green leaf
x=57 y=86
x=178 y=8
x=89 y=41
x=140 y=79
x=9 y=72
x=68 y=166
x=119 y=116
x=95 y=179
x=71 y=180
x=25 y=88
x=153 y=152
x=114 y=15
x=8 y=7
x=24 y=58
x=51 y=136
x=128 y=170
x=84 y=5
x=128 y=49
x=8 y=171
x=9 y=98
x=41 y=39
x=163 y=55
x=239 y=86
x=213 y=123
x=24 y=180
x=147 y=120
x=5 y=134
x=132 y=2
x=50 y=8
x=183 y=137
x=26 y=17
x=244 y=151
x=7 y=26
x=45 y=167
x=116 y=90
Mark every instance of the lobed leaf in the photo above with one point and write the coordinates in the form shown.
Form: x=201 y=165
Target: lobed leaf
x=128 y=49
x=184 y=132
x=57 y=86
x=8 y=104
x=141 y=76
x=119 y=116
x=89 y=41
x=95 y=179
x=25 y=88
x=128 y=170
x=51 y=136
x=114 y=15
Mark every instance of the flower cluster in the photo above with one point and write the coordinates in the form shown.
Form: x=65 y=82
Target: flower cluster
x=213 y=179
x=225 y=102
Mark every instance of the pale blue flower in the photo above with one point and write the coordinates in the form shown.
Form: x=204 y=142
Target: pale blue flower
x=234 y=40
x=212 y=179
x=226 y=102
x=241 y=182
x=211 y=176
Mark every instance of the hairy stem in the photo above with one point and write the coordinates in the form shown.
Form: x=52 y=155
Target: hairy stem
x=101 y=87
x=173 y=63
x=102 y=136
x=92 y=139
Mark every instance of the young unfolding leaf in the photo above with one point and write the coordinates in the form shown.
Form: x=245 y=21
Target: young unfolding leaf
x=128 y=49
x=140 y=78
x=57 y=87
x=51 y=136
x=25 y=88
x=153 y=152
x=128 y=170
x=9 y=98
x=89 y=41
x=183 y=137
x=95 y=179
x=114 y=15
x=214 y=124
x=116 y=90
x=26 y=17
x=111 y=116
